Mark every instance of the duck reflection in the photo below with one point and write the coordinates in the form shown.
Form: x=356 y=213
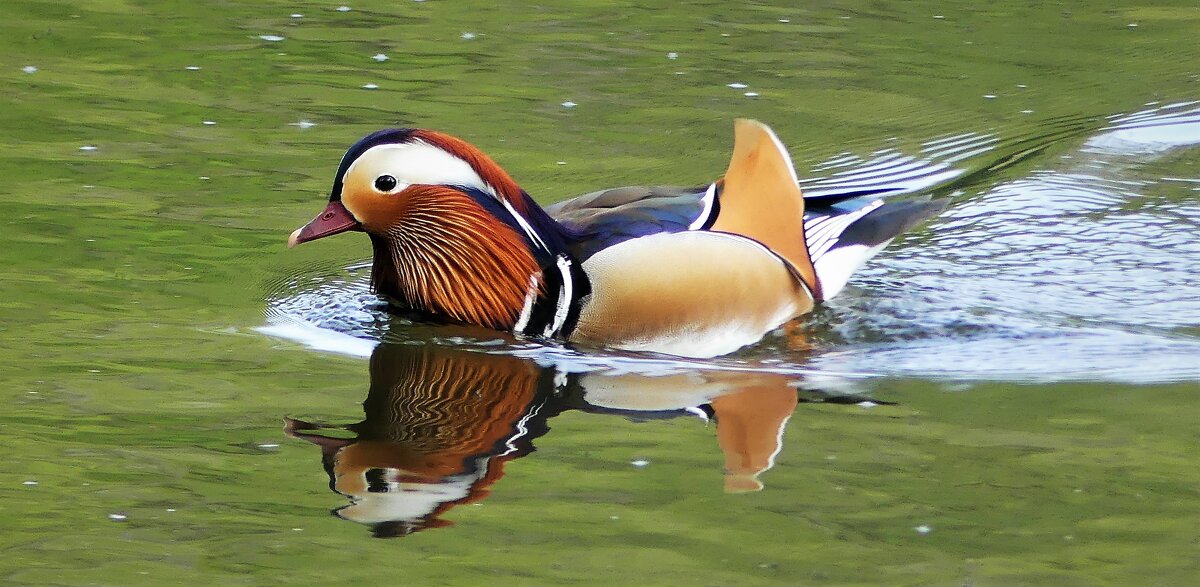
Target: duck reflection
x=441 y=423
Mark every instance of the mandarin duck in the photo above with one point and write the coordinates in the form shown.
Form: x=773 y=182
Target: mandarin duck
x=696 y=272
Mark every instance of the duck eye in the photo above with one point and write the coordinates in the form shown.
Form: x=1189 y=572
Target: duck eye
x=385 y=183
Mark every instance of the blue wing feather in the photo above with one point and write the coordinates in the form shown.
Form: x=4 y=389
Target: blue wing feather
x=605 y=218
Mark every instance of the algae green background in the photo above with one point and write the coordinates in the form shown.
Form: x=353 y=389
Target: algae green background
x=134 y=274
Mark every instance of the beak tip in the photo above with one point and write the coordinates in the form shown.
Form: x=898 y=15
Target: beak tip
x=294 y=238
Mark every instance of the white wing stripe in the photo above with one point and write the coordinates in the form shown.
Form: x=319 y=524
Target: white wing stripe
x=822 y=232
x=527 y=309
x=709 y=196
x=565 y=296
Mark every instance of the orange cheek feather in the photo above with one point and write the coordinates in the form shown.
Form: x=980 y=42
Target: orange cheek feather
x=377 y=212
x=446 y=254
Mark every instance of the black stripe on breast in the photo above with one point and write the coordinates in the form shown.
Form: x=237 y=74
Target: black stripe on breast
x=546 y=306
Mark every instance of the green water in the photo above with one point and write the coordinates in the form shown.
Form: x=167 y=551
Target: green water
x=1040 y=342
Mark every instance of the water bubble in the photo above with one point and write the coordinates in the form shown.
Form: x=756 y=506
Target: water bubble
x=271 y=38
x=380 y=57
x=29 y=69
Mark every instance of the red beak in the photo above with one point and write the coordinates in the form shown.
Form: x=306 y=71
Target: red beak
x=336 y=218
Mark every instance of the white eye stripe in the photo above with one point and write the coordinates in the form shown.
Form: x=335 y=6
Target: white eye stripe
x=418 y=163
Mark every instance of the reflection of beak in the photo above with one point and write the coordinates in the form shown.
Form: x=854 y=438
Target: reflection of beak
x=336 y=218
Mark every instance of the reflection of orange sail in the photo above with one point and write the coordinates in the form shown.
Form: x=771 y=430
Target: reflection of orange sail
x=439 y=426
x=751 y=410
x=750 y=427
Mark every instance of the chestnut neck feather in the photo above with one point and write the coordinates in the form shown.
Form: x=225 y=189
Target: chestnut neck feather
x=438 y=400
x=446 y=254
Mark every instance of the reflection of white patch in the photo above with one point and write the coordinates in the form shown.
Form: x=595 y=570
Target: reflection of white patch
x=315 y=338
x=778 y=444
x=1148 y=139
x=1149 y=131
x=408 y=501
x=653 y=394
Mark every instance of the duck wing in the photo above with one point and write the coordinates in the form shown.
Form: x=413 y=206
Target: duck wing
x=605 y=218
x=823 y=237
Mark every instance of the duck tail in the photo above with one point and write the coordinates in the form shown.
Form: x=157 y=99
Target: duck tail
x=839 y=241
x=760 y=198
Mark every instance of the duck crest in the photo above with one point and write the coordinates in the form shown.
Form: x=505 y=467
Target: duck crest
x=489 y=171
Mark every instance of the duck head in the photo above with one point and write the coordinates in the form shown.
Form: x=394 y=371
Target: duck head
x=452 y=233
x=439 y=426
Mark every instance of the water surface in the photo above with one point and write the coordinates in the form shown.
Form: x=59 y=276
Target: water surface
x=1004 y=396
